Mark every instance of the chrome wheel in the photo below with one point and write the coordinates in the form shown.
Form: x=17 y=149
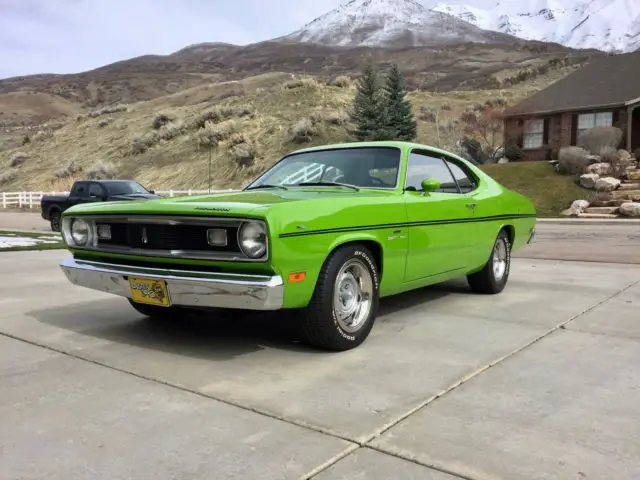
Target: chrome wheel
x=499 y=259
x=353 y=294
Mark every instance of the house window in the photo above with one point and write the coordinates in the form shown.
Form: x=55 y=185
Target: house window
x=533 y=136
x=590 y=120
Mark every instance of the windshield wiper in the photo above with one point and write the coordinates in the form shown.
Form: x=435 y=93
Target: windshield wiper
x=331 y=184
x=267 y=186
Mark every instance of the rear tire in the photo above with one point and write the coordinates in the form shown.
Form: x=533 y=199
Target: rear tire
x=54 y=220
x=344 y=304
x=493 y=277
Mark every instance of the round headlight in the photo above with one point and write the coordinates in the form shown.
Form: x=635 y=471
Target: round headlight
x=252 y=238
x=80 y=231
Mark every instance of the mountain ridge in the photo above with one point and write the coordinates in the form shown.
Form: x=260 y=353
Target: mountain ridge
x=606 y=25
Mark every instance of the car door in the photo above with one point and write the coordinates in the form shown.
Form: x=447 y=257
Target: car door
x=79 y=193
x=441 y=227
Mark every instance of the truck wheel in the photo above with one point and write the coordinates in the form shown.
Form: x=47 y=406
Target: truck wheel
x=493 y=277
x=54 y=220
x=153 y=312
x=344 y=305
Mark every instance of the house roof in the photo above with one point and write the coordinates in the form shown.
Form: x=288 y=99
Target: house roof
x=606 y=81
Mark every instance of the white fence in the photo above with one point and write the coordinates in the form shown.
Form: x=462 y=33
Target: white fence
x=32 y=199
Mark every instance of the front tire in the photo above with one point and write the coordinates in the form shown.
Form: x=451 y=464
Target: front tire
x=153 y=312
x=344 y=304
x=494 y=275
x=54 y=220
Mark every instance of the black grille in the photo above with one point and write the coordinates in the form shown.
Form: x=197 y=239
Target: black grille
x=167 y=237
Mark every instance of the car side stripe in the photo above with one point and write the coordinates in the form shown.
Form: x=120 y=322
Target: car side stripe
x=360 y=228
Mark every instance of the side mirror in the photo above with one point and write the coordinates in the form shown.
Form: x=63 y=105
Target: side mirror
x=152 y=191
x=430 y=185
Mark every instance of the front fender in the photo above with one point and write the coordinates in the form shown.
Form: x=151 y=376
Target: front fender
x=307 y=253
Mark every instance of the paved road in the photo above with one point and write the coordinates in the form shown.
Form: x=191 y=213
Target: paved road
x=540 y=381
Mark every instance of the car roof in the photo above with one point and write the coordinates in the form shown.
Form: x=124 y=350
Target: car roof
x=380 y=143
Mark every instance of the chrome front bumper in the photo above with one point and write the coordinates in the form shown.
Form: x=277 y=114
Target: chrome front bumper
x=186 y=288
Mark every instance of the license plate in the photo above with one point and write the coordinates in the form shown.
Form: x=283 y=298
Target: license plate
x=150 y=291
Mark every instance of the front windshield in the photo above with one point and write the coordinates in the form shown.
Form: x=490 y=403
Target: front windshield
x=363 y=167
x=124 y=188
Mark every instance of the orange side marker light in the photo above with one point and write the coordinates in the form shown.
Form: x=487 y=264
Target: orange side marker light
x=297 y=277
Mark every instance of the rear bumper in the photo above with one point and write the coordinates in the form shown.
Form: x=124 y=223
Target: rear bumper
x=185 y=288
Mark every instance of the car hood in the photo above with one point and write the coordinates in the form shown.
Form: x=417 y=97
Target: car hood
x=135 y=196
x=252 y=203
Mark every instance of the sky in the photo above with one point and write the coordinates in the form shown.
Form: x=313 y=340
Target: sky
x=69 y=36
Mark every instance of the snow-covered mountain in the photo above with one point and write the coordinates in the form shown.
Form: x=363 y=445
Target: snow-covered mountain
x=390 y=23
x=609 y=25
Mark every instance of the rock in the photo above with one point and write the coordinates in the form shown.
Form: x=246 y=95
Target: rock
x=607 y=184
x=569 y=212
x=600 y=168
x=579 y=205
x=503 y=160
x=630 y=209
x=588 y=180
x=593 y=159
x=625 y=156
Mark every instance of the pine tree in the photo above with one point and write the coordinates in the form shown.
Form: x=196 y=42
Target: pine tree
x=367 y=110
x=399 y=123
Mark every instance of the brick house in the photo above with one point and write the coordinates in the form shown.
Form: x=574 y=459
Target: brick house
x=606 y=92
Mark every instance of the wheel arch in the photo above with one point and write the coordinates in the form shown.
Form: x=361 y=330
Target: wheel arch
x=369 y=241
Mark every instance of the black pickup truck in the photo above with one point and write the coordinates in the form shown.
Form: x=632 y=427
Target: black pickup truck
x=85 y=191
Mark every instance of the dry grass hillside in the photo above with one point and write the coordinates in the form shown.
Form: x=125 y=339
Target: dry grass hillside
x=164 y=142
x=464 y=66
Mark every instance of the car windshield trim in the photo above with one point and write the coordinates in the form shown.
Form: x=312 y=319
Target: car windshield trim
x=386 y=167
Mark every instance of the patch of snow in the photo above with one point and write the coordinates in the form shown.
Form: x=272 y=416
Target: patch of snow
x=608 y=25
x=389 y=22
x=10 y=240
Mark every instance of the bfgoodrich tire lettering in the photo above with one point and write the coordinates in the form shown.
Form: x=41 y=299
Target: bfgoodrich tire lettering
x=344 y=304
x=494 y=275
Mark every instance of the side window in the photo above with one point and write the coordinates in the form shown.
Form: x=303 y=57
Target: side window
x=95 y=190
x=422 y=166
x=466 y=182
x=80 y=190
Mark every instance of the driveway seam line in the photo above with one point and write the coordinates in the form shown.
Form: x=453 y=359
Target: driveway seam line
x=486 y=367
x=186 y=389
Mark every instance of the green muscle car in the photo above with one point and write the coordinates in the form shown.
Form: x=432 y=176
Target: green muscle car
x=327 y=230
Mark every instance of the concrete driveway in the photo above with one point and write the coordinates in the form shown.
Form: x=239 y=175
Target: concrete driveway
x=541 y=381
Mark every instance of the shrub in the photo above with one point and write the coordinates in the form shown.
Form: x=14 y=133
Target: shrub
x=612 y=156
x=26 y=139
x=160 y=120
x=8 y=176
x=105 y=121
x=597 y=138
x=299 y=83
x=336 y=118
x=18 y=159
x=303 y=130
x=170 y=130
x=101 y=171
x=496 y=102
x=143 y=143
x=572 y=160
x=216 y=115
x=236 y=139
x=212 y=134
x=244 y=154
x=427 y=114
x=341 y=81
x=68 y=171
x=513 y=153
x=42 y=135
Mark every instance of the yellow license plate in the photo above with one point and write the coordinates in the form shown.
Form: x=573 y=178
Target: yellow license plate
x=150 y=291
